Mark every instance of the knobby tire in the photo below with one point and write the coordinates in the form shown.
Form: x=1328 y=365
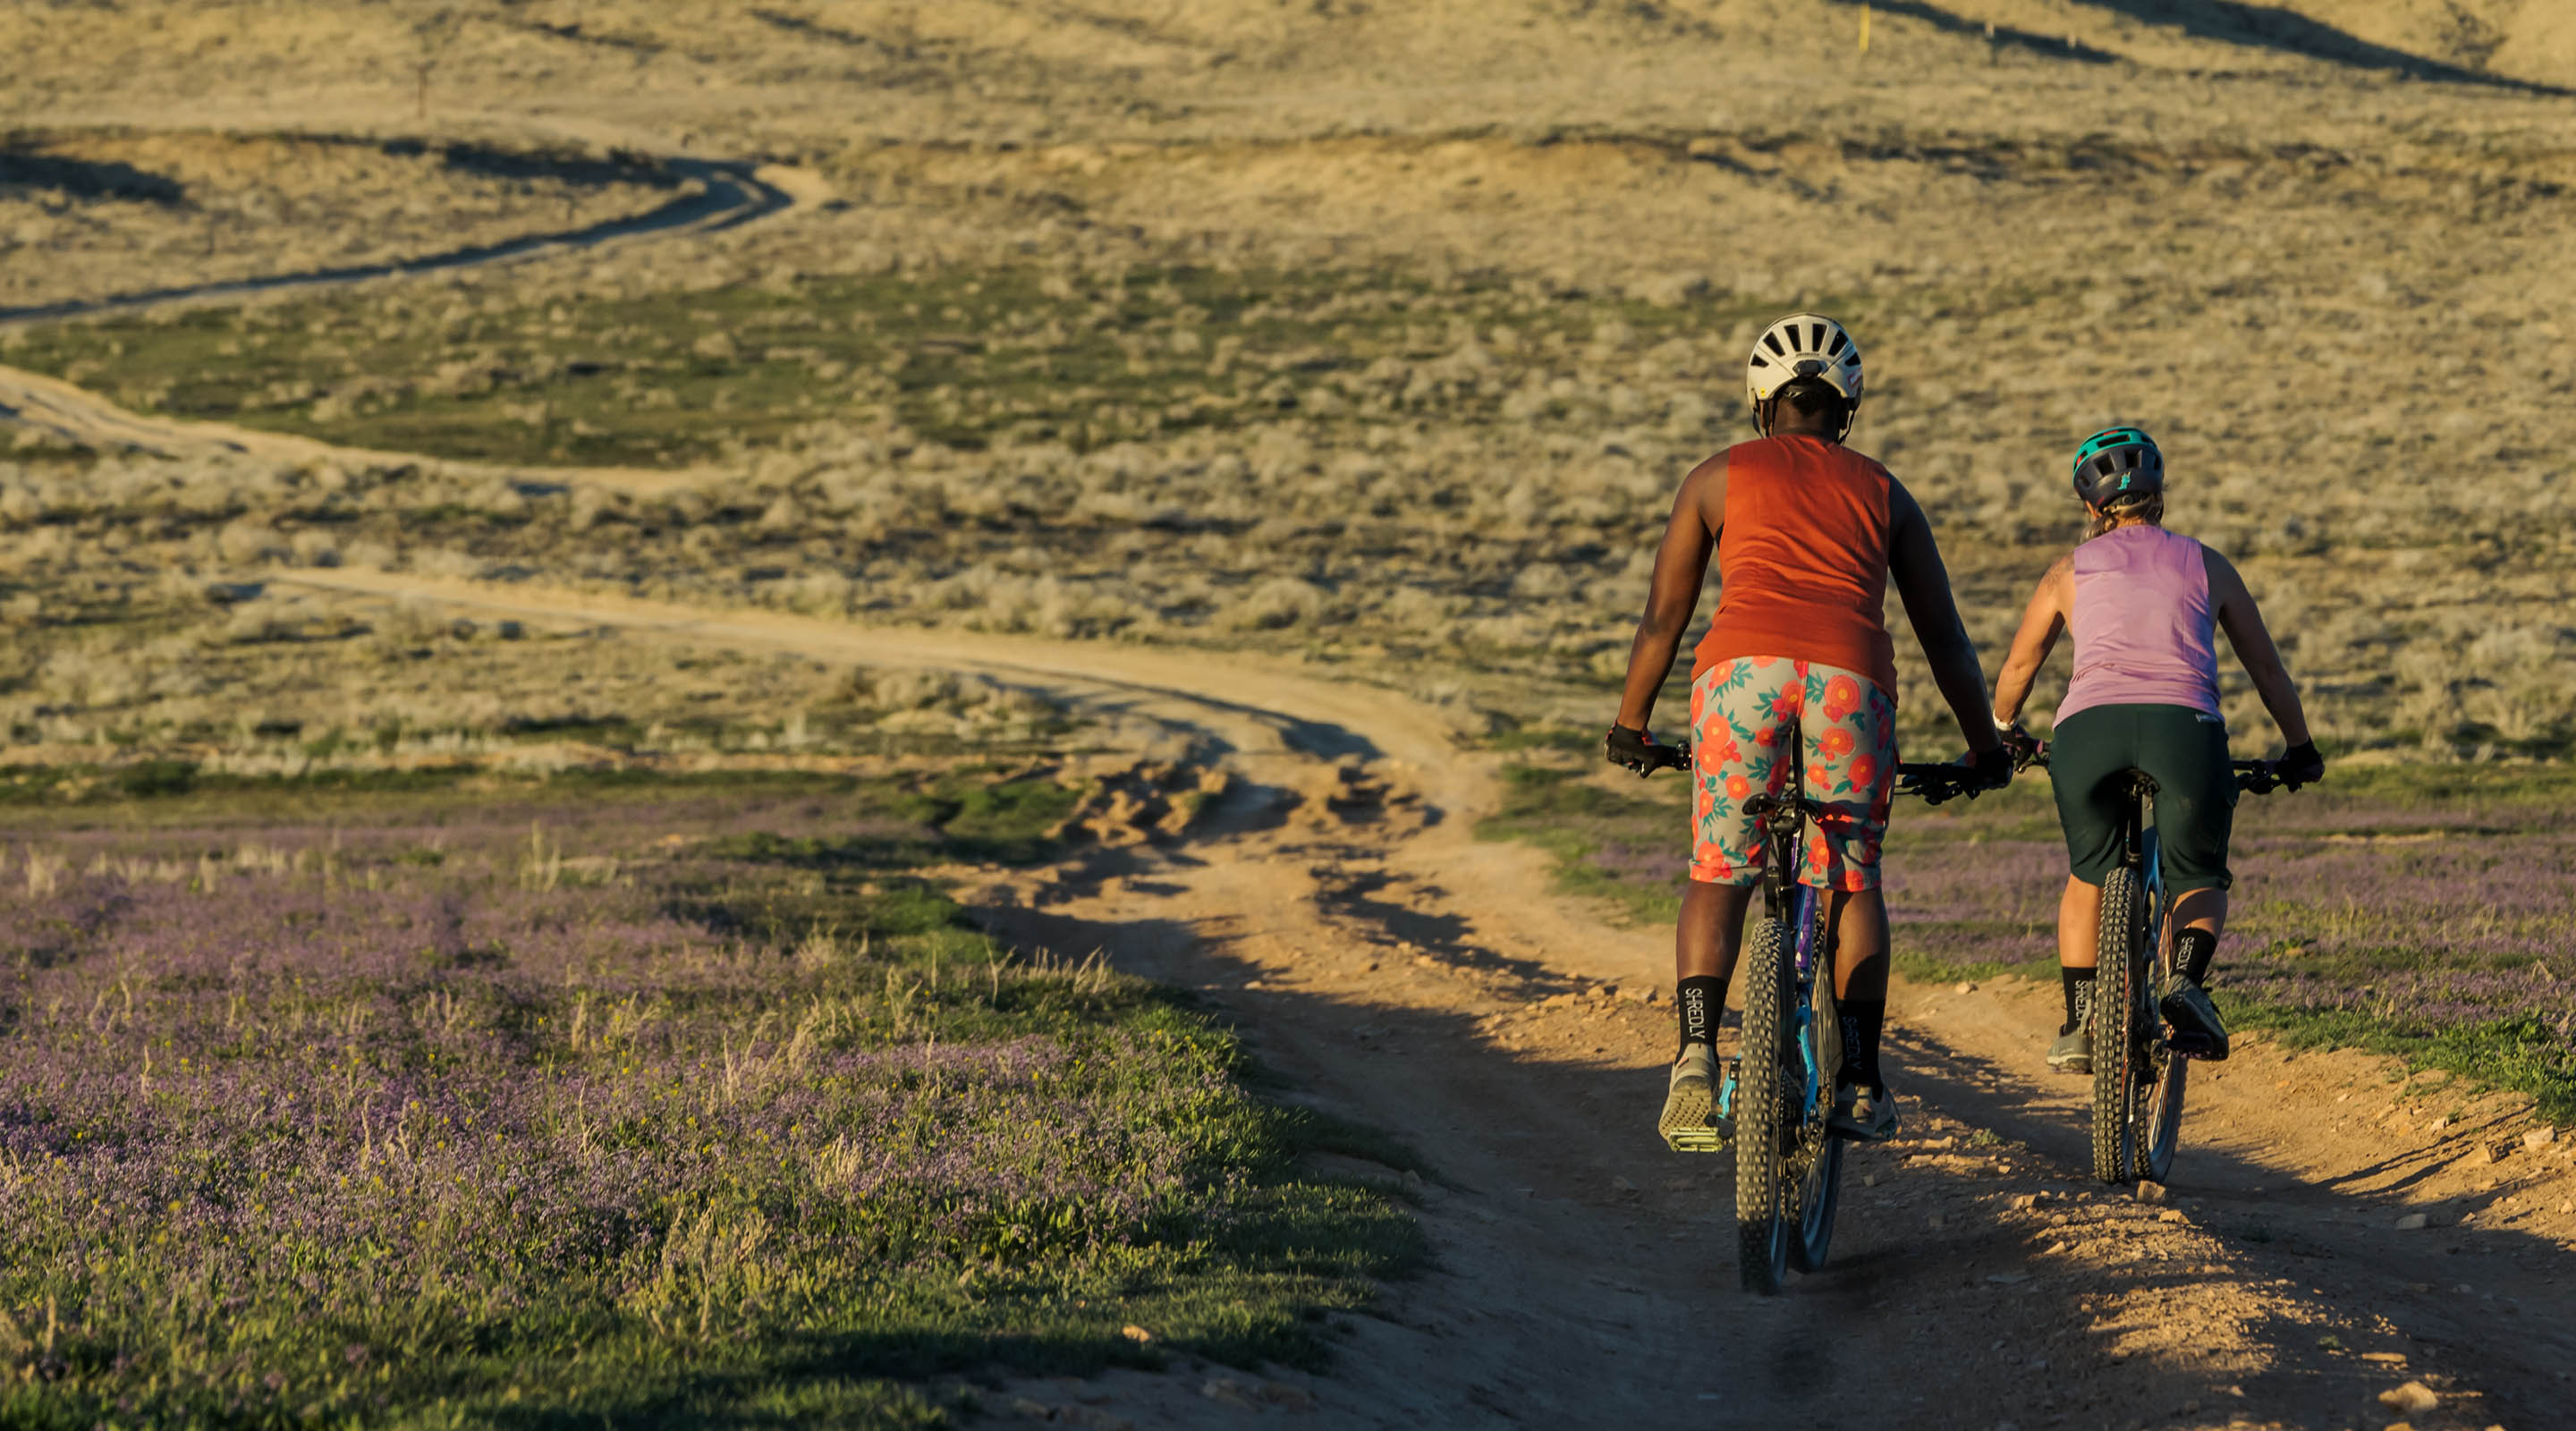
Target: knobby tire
x=1762 y=1122
x=2117 y=1034
x=1821 y=1191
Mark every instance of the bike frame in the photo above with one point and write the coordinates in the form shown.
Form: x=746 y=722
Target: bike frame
x=2149 y=1117
x=1811 y=915
x=2141 y=851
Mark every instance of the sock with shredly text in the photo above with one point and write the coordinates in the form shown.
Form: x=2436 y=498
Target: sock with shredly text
x=1701 y=999
x=1862 y=1021
x=2193 y=949
x=2079 y=997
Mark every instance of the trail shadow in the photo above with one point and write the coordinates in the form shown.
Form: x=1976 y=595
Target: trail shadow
x=493 y=161
x=1547 y=1206
x=816 y=29
x=574 y=33
x=1440 y=938
x=729 y=195
x=2270 y=27
x=22 y=168
x=1322 y=739
x=2336 y=1228
x=2055 y=47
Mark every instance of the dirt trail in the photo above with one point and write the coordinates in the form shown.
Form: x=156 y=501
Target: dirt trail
x=1408 y=975
x=727 y=194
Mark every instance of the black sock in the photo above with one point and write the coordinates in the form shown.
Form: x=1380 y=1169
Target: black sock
x=2074 y=979
x=1862 y=1021
x=2193 y=949
x=1701 y=999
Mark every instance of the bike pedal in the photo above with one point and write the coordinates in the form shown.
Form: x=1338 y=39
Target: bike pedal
x=1699 y=1140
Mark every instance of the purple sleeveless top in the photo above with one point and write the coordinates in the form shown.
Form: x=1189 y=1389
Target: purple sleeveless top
x=2142 y=623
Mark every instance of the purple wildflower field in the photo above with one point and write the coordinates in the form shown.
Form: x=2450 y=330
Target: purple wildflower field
x=2462 y=914
x=588 y=1101
x=2429 y=913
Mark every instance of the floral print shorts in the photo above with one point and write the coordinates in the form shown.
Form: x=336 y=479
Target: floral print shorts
x=1740 y=715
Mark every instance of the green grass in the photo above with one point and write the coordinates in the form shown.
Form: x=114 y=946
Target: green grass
x=1561 y=812
x=964 y=357
x=880 y=1310
x=2524 y=1055
x=2363 y=922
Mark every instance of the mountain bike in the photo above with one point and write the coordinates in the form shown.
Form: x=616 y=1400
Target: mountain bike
x=2139 y=1067
x=1778 y=1090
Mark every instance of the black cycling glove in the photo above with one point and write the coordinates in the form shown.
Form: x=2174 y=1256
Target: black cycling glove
x=1634 y=750
x=1994 y=767
x=2300 y=765
x=2023 y=746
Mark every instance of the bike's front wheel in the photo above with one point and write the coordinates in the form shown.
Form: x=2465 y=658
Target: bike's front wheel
x=2119 y=1027
x=1765 y=1117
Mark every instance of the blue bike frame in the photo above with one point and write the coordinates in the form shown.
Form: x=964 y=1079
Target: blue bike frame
x=1806 y=914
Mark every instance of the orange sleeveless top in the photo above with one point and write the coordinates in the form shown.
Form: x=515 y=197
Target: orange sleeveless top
x=1802 y=559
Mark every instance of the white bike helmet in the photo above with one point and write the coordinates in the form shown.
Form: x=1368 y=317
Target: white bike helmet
x=1802 y=345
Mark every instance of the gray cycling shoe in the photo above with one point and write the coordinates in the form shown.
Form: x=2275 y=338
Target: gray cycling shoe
x=1866 y=1114
x=2198 y=1032
x=1691 y=1122
x=2073 y=1052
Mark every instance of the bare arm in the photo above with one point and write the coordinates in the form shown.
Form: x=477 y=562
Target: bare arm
x=2243 y=622
x=1914 y=560
x=2041 y=622
x=1681 y=565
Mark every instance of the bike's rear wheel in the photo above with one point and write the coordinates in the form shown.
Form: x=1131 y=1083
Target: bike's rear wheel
x=2160 y=1113
x=1820 y=1195
x=1765 y=1123
x=2161 y=1075
x=2118 y=1027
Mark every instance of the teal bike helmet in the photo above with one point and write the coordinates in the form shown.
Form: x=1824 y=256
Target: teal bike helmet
x=2118 y=462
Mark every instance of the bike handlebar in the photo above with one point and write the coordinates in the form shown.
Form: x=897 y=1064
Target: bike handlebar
x=2259 y=777
x=1933 y=784
x=2254 y=777
x=1676 y=756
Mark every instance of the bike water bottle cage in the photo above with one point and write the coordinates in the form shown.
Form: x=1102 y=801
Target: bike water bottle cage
x=2118 y=462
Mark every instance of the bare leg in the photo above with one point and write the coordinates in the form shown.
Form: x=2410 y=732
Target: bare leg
x=1710 y=933
x=2079 y=924
x=2198 y=909
x=1860 y=945
x=1860 y=982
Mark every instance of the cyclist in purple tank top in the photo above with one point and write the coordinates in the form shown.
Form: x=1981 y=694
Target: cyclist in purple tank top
x=2145 y=605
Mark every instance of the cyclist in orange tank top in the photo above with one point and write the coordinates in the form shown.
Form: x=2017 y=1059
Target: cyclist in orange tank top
x=1806 y=533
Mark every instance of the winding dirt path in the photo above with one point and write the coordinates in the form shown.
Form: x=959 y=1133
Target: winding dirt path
x=728 y=193
x=1405 y=974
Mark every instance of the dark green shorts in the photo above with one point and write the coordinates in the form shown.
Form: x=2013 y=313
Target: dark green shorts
x=2185 y=751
